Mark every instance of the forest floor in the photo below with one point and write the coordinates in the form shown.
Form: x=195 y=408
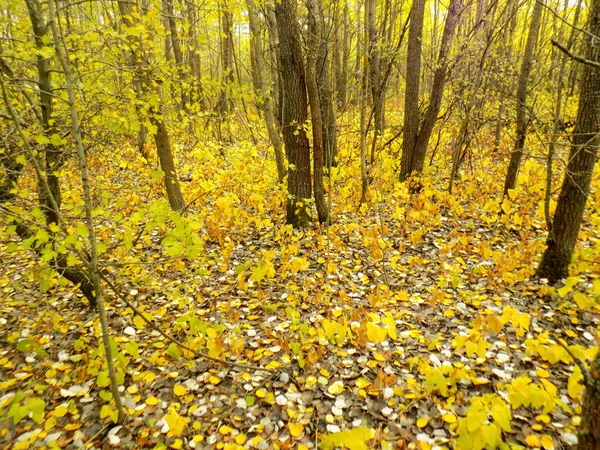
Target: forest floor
x=411 y=322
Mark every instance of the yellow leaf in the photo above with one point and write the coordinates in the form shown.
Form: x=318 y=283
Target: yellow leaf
x=422 y=422
x=177 y=444
x=60 y=411
x=139 y=322
x=336 y=388
x=261 y=393
x=533 y=441
x=214 y=380
x=375 y=333
x=225 y=430
x=296 y=429
x=547 y=442
x=240 y=439
x=176 y=423
x=449 y=418
x=542 y=373
x=179 y=390
x=151 y=401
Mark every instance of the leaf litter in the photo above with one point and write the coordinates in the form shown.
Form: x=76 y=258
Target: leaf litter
x=459 y=350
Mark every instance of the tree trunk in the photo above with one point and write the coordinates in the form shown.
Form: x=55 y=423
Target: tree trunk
x=588 y=437
x=326 y=94
x=314 y=52
x=256 y=43
x=375 y=75
x=295 y=113
x=161 y=136
x=197 y=89
x=522 y=115
x=506 y=55
x=558 y=116
x=415 y=144
x=413 y=85
x=224 y=105
x=576 y=183
x=178 y=54
x=52 y=154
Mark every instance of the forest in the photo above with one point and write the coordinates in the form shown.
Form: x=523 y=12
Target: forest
x=299 y=224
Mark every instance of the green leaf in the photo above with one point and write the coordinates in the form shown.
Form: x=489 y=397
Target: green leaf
x=102 y=380
x=36 y=406
x=132 y=348
x=173 y=352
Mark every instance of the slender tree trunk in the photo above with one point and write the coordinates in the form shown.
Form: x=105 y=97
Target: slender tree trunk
x=558 y=117
x=341 y=79
x=522 y=88
x=507 y=53
x=326 y=94
x=413 y=85
x=53 y=155
x=197 y=89
x=256 y=43
x=582 y=158
x=161 y=136
x=276 y=82
x=178 y=55
x=375 y=75
x=85 y=181
x=415 y=148
x=224 y=104
x=295 y=113
x=364 y=85
x=314 y=51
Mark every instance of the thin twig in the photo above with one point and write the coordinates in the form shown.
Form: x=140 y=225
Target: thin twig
x=589 y=379
x=171 y=338
x=573 y=56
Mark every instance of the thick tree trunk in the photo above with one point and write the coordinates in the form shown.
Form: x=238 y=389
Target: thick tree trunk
x=295 y=113
x=256 y=43
x=522 y=88
x=314 y=51
x=582 y=158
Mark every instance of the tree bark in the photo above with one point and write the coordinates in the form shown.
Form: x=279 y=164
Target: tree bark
x=582 y=158
x=295 y=113
x=375 y=75
x=558 y=116
x=413 y=84
x=326 y=94
x=178 y=54
x=256 y=43
x=415 y=143
x=197 y=89
x=522 y=88
x=224 y=105
x=314 y=52
x=588 y=437
x=161 y=136
x=53 y=155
